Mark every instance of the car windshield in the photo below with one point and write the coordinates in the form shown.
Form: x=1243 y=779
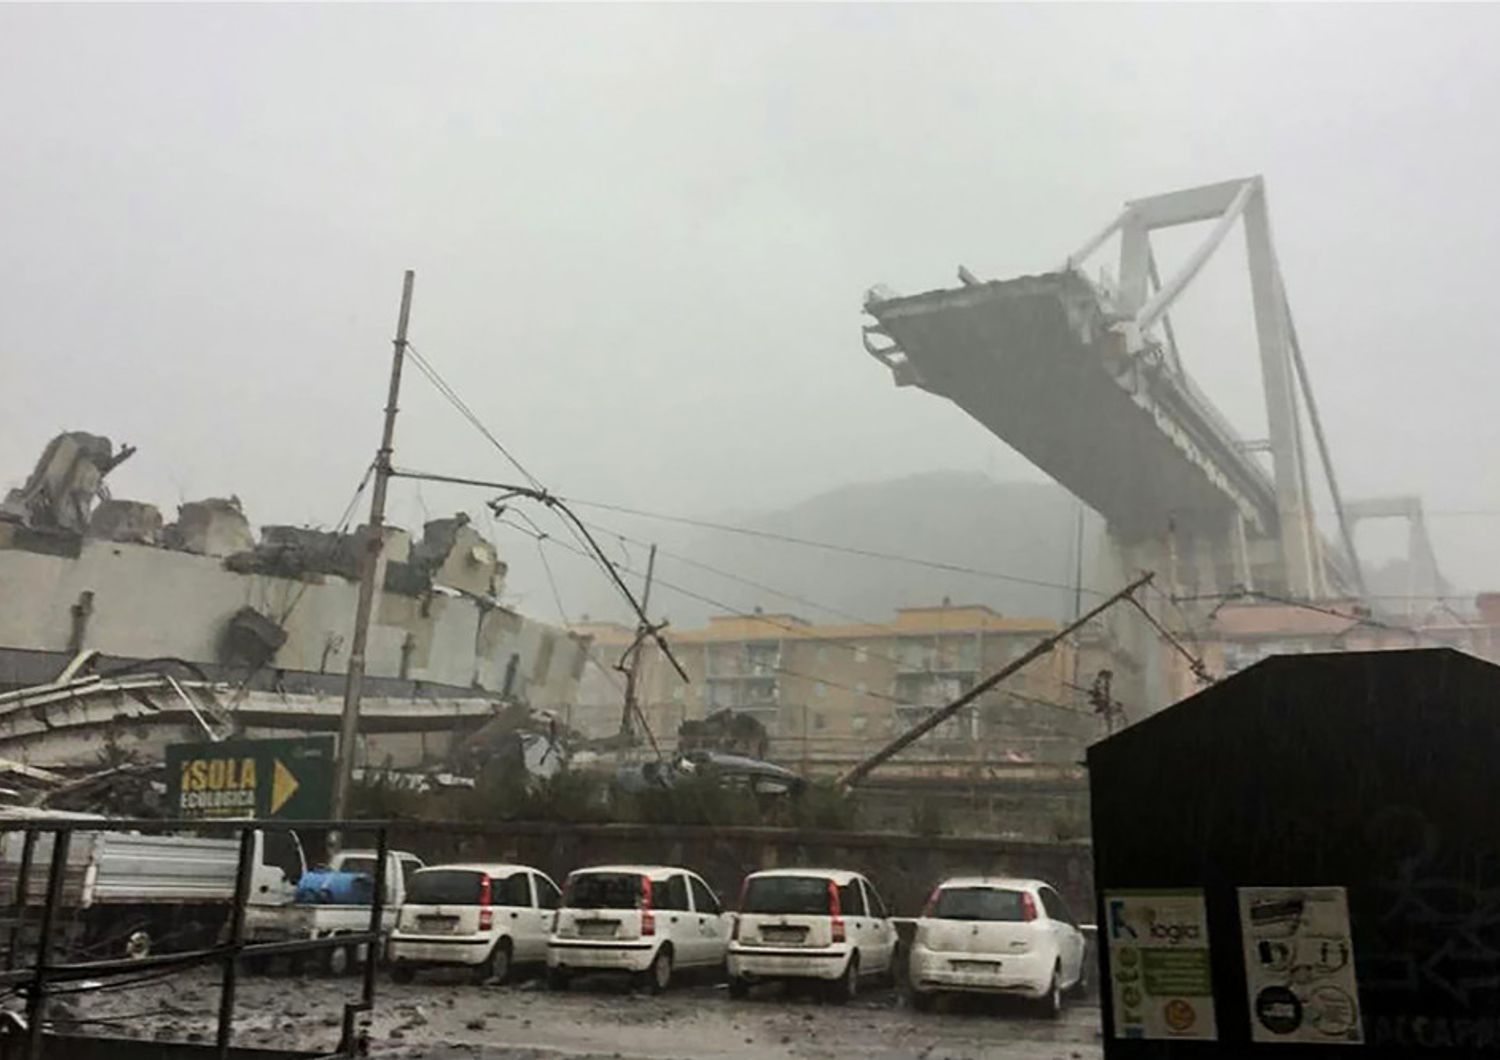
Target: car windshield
x=446 y=887
x=603 y=890
x=787 y=894
x=979 y=903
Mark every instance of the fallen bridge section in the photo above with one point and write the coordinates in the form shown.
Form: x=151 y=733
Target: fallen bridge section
x=1036 y=360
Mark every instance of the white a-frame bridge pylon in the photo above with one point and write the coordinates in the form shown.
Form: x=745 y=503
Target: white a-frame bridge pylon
x=1141 y=307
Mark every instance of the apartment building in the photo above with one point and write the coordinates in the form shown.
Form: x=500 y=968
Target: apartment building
x=834 y=692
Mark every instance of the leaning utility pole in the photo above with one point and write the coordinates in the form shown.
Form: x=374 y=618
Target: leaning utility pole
x=633 y=665
x=932 y=721
x=372 y=568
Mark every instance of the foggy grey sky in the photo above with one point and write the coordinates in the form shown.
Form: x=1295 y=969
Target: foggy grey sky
x=642 y=234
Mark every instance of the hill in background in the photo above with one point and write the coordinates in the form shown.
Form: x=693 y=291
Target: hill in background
x=964 y=519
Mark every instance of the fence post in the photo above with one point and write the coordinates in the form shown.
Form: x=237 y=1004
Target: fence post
x=23 y=879
x=230 y=979
x=36 y=1003
x=375 y=951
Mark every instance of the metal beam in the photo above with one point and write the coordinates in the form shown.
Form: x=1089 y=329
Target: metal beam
x=1189 y=205
x=1163 y=298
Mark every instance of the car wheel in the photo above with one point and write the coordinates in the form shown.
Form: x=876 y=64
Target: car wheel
x=557 y=979
x=739 y=987
x=402 y=974
x=845 y=988
x=1081 y=987
x=923 y=1001
x=659 y=975
x=1050 y=1005
x=496 y=966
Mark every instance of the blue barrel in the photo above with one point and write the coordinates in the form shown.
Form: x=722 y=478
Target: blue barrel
x=326 y=887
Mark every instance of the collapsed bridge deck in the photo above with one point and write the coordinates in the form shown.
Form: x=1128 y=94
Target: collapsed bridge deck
x=1036 y=361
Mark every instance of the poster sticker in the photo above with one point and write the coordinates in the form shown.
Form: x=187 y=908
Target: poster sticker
x=1299 y=965
x=1159 y=969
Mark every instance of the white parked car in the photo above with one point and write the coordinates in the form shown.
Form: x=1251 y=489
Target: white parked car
x=825 y=924
x=490 y=918
x=997 y=936
x=647 y=920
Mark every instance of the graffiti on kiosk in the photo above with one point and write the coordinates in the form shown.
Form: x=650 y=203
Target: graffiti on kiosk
x=1439 y=916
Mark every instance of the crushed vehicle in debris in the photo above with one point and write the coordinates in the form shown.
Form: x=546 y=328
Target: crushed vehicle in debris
x=731 y=771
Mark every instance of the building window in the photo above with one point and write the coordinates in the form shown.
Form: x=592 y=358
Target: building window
x=820 y=721
x=820 y=690
x=861 y=654
x=858 y=723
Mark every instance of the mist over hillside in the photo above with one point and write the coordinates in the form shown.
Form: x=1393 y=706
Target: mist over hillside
x=961 y=519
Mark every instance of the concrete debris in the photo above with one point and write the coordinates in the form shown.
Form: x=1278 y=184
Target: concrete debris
x=61 y=490
x=251 y=639
x=215 y=526
x=452 y=558
x=130 y=522
x=205 y=589
x=517 y=742
x=454 y=554
x=726 y=731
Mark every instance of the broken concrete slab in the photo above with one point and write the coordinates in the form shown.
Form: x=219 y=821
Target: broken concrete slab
x=215 y=526
x=132 y=522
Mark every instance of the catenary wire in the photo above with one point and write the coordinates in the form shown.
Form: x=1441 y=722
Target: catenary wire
x=727 y=608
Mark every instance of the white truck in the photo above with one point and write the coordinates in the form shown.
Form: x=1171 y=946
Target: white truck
x=126 y=894
x=317 y=919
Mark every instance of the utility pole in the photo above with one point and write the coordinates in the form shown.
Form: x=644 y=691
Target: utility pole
x=633 y=666
x=372 y=567
x=933 y=720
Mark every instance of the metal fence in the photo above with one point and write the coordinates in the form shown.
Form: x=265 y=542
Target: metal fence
x=37 y=972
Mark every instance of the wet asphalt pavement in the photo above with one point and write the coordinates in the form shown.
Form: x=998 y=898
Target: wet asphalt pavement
x=446 y=1018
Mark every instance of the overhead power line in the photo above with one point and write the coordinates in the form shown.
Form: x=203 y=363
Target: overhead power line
x=742 y=580
x=442 y=386
x=1200 y=671
x=829 y=546
x=1195 y=662
x=780 y=669
x=535 y=491
x=932 y=721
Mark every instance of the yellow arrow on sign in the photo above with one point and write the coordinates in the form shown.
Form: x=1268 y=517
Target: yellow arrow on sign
x=283 y=787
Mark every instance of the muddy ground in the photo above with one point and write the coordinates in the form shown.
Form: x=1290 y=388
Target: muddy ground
x=442 y=1018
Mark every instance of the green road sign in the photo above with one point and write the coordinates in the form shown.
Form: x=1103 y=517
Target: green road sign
x=290 y=779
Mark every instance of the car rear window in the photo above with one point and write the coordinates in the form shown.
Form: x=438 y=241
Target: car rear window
x=787 y=894
x=979 y=903
x=445 y=887
x=358 y=864
x=602 y=890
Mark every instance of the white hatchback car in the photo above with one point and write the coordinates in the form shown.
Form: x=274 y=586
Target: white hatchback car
x=646 y=920
x=825 y=924
x=997 y=936
x=487 y=917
